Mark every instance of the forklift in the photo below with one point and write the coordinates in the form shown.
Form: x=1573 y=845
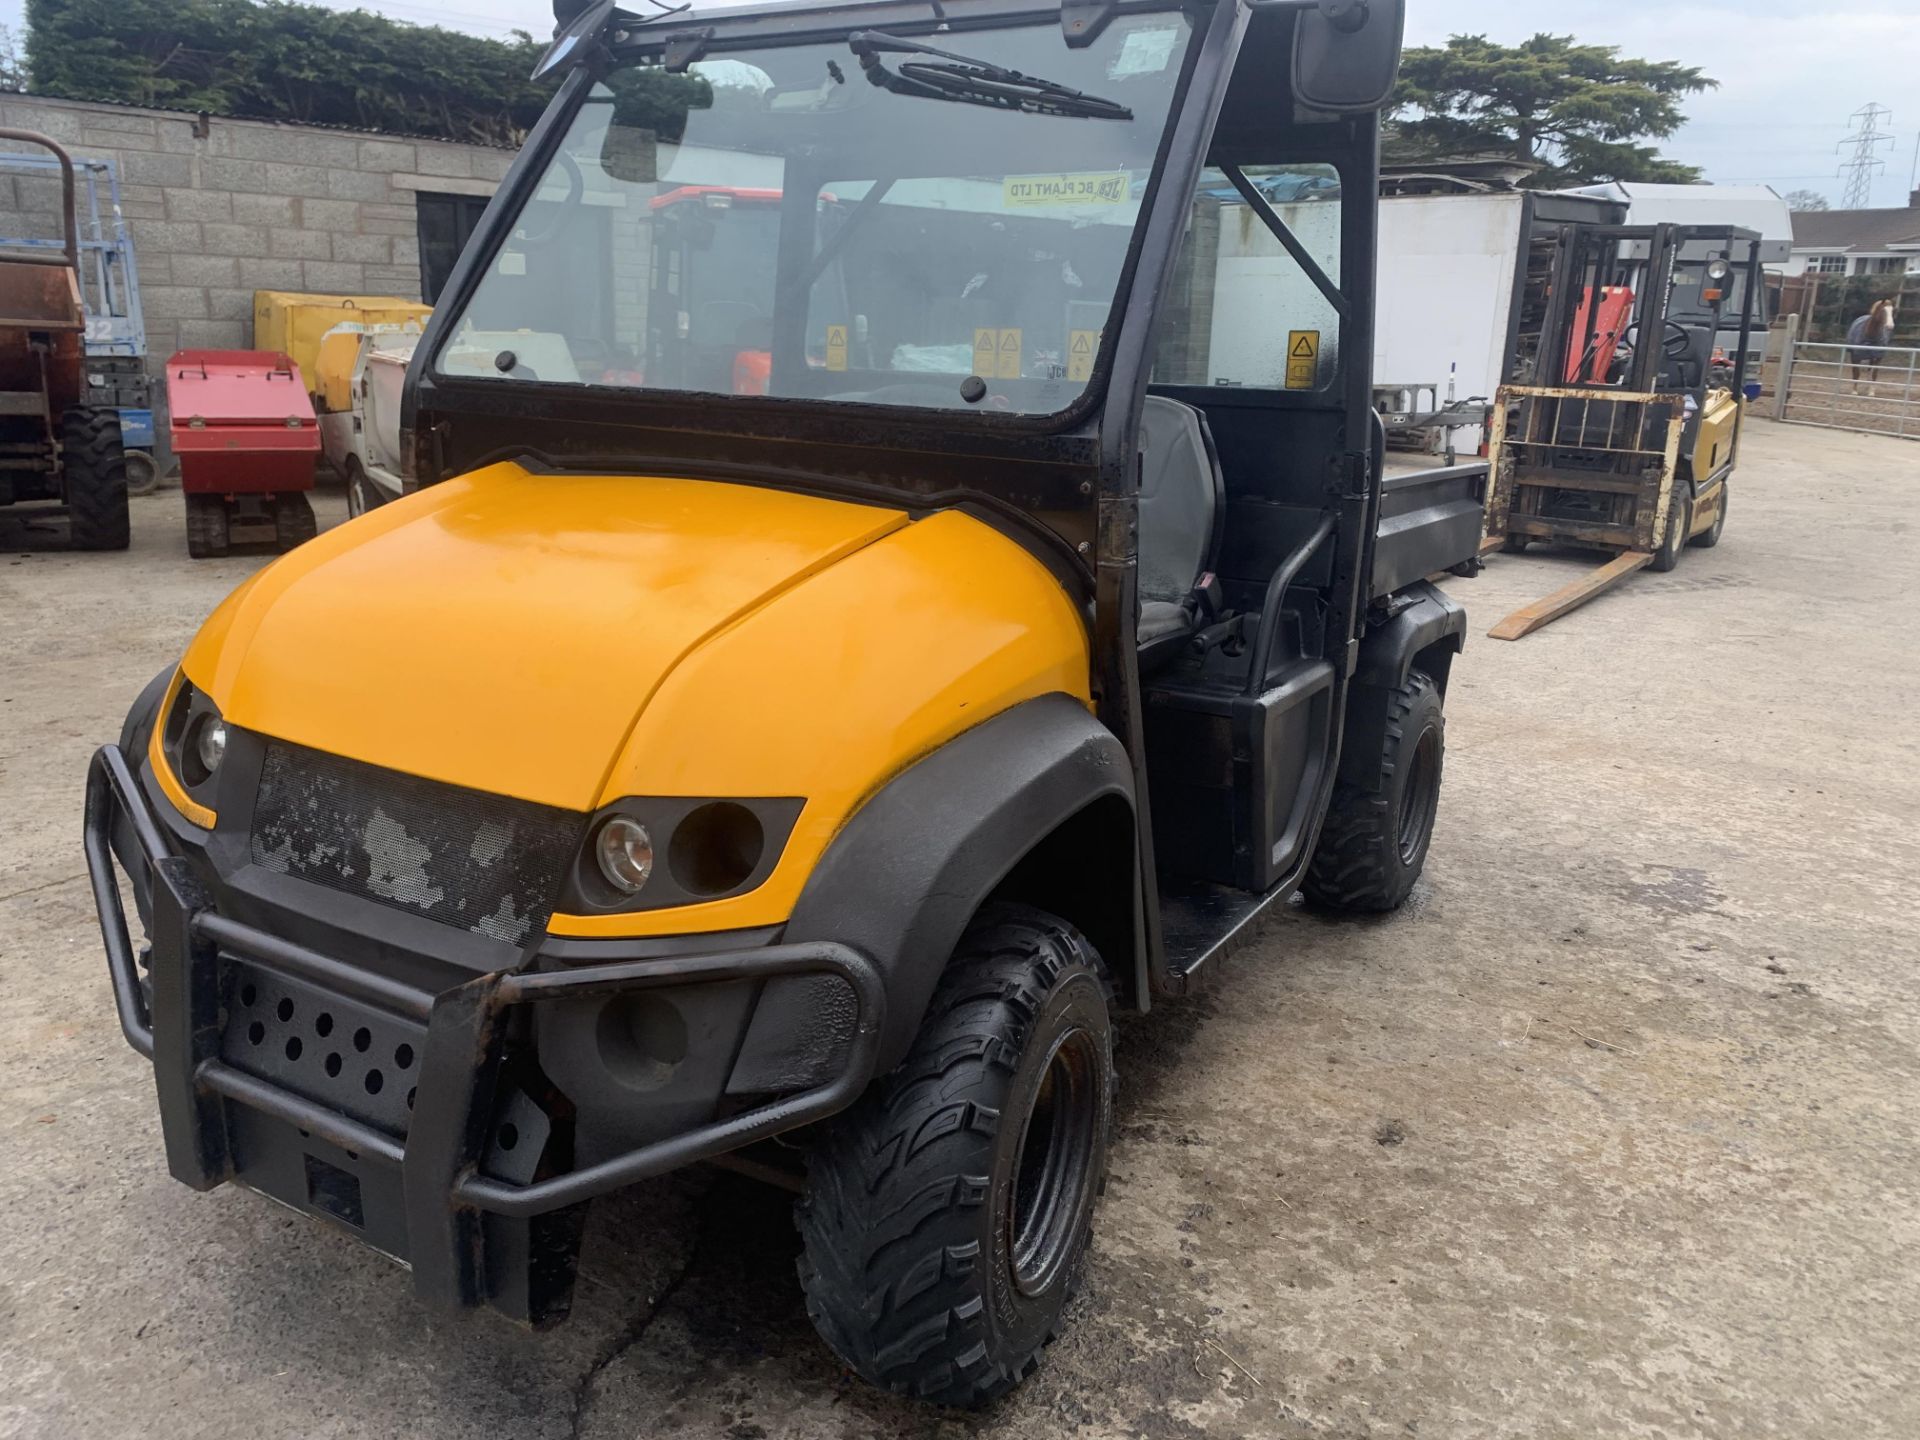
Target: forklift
x=1629 y=432
x=801 y=776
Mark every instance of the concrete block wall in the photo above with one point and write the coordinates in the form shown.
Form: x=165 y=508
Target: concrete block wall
x=219 y=208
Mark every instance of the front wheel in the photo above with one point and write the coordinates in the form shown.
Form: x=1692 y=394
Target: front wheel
x=1375 y=841
x=1679 y=522
x=1710 y=537
x=94 y=463
x=947 y=1213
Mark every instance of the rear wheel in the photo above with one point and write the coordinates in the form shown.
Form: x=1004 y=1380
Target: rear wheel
x=1710 y=537
x=947 y=1213
x=207 y=536
x=93 y=468
x=293 y=522
x=1375 y=841
x=1679 y=522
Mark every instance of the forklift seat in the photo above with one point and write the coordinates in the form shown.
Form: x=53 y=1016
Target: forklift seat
x=1181 y=507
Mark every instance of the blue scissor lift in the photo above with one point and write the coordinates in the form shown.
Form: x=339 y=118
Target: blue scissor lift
x=116 y=337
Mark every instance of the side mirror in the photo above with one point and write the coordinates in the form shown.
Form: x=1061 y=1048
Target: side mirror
x=1346 y=54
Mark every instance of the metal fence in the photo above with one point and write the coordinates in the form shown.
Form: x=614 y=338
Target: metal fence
x=1871 y=388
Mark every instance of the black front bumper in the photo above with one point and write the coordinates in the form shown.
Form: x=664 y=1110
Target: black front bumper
x=470 y=1236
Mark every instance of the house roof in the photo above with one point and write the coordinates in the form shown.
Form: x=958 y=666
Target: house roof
x=1857 y=230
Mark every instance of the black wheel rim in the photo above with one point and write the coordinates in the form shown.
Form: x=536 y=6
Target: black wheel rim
x=1418 y=799
x=1053 y=1172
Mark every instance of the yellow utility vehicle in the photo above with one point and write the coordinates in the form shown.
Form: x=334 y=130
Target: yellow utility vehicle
x=808 y=696
x=1627 y=433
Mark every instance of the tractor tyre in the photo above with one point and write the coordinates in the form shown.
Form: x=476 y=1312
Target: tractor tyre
x=1375 y=839
x=293 y=522
x=207 y=534
x=1710 y=537
x=1679 y=522
x=947 y=1213
x=93 y=467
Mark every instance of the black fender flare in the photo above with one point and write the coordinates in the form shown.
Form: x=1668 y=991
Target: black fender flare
x=1429 y=632
x=912 y=866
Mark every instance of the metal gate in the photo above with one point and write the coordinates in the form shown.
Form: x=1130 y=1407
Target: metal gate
x=1871 y=388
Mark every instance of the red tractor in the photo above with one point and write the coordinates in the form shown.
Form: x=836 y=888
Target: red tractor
x=57 y=455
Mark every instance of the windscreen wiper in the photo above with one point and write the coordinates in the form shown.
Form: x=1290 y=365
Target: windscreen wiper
x=976 y=82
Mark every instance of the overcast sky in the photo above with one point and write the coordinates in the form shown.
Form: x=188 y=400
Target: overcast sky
x=1790 y=75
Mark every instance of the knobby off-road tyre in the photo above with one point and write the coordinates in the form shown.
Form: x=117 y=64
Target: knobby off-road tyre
x=293 y=522
x=947 y=1213
x=1679 y=522
x=1375 y=840
x=93 y=466
x=1710 y=537
x=207 y=534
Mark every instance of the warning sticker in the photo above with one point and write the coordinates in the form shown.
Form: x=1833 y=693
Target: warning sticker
x=1081 y=345
x=1303 y=359
x=1009 y=368
x=986 y=350
x=997 y=352
x=836 y=347
x=1102 y=187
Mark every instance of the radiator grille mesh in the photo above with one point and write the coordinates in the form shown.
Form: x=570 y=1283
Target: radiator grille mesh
x=485 y=863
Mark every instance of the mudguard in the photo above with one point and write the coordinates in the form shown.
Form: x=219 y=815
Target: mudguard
x=1426 y=634
x=904 y=876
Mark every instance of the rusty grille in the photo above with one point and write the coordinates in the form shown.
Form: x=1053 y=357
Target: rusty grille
x=480 y=862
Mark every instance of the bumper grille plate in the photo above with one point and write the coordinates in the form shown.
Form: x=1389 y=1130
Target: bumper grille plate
x=484 y=863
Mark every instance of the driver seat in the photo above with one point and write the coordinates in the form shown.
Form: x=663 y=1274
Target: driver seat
x=1182 y=506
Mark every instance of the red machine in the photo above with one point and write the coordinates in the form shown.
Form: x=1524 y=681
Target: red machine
x=244 y=429
x=1590 y=356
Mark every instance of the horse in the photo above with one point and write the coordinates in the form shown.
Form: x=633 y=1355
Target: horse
x=1866 y=339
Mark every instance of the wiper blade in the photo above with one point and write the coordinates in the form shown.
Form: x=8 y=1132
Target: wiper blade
x=976 y=82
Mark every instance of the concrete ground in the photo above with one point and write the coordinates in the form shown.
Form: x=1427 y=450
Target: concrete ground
x=1611 y=1132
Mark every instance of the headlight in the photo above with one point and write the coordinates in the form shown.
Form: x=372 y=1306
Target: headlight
x=1718 y=269
x=209 y=742
x=625 y=852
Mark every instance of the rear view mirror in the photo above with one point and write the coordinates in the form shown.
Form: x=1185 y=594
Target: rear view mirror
x=1346 y=54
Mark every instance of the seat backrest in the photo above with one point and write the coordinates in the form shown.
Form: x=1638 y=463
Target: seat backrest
x=1179 y=499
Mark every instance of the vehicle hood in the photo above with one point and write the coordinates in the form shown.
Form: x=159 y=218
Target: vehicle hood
x=503 y=630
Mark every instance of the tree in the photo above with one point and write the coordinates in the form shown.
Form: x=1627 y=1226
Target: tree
x=1806 y=200
x=13 y=67
x=290 y=61
x=1581 y=112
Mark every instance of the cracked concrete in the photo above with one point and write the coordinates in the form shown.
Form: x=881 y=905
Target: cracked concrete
x=1611 y=1132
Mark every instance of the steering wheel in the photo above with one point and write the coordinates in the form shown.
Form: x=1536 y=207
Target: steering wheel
x=563 y=207
x=1676 y=342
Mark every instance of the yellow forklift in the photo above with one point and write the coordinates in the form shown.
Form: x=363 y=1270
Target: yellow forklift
x=1627 y=433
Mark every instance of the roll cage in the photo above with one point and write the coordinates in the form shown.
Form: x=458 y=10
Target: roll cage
x=1281 y=82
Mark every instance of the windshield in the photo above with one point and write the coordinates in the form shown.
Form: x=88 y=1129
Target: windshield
x=783 y=221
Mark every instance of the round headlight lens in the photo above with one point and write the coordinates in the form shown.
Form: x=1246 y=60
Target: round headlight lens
x=210 y=743
x=625 y=852
x=1718 y=269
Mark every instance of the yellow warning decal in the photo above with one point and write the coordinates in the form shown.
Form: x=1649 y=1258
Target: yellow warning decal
x=1081 y=345
x=1102 y=187
x=1009 y=354
x=1303 y=358
x=996 y=352
x=986 y=350
x=836 y=347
